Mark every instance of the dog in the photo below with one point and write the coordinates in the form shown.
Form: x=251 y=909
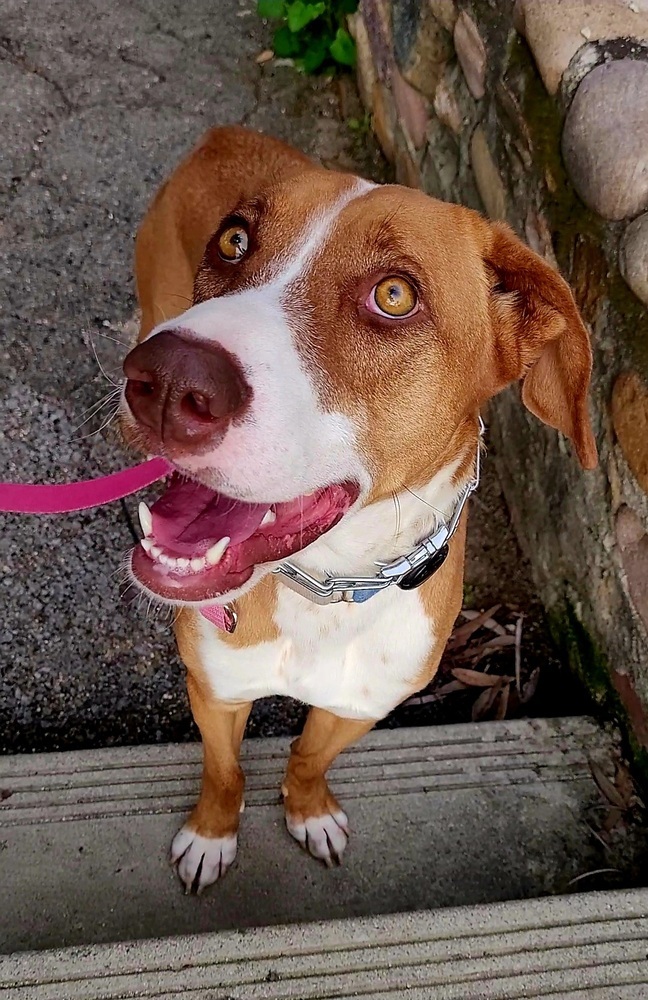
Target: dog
x=314 y=354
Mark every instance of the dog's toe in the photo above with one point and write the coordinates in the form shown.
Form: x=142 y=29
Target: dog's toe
x=325 y=837
x=201 y=860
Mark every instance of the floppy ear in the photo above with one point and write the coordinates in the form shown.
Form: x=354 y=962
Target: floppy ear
x=541 y=334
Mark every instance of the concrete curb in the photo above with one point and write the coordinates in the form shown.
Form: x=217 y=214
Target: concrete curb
x=590 y=946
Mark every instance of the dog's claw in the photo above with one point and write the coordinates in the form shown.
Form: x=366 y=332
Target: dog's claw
x=201 y=860
x=324 y=837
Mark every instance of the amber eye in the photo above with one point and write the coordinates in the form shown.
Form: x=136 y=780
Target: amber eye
x=393 y=297
x=233 y=243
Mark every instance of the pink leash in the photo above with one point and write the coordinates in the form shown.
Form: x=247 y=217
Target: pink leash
x=32 y=498
x=29 y=498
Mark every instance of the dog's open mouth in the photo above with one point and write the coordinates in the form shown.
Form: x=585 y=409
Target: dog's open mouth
x=200 y=544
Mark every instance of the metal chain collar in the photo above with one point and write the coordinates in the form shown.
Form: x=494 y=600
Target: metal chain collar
x=407 y=572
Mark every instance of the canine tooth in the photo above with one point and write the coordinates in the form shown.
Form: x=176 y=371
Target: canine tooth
x=197 y=564
x=215 y=554
x=156 y=551
x=145 y=519
x=181 y=562
x=269 y=518
x=147 y=544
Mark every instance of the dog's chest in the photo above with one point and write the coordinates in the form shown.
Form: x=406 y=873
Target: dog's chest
x=358 y=661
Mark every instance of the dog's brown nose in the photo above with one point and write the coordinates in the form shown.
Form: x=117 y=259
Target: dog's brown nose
x=185 y=391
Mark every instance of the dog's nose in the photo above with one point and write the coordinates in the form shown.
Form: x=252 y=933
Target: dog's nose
x=183 y=390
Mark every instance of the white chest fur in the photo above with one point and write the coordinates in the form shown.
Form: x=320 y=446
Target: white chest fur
x=357 y=660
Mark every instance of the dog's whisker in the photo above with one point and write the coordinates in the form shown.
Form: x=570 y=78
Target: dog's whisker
x=114 y=340
x=426 y=502
x=103 y=427
x=398 y=513
x=96 y=407
x=101 y=367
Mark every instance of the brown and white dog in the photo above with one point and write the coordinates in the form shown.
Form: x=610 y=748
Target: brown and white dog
x=313 y=356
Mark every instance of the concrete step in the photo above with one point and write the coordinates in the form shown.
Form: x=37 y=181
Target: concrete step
x=584 y=947
x=446 y=816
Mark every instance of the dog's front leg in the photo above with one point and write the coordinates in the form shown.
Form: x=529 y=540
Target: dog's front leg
x=206 y=845
x=313 y=814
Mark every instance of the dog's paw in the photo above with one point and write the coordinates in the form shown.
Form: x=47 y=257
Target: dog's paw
x=325 y=837
x=201 y=860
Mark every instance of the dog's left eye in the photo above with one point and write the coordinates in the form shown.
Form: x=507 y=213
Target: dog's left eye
x=393 y=297
x=233 y=243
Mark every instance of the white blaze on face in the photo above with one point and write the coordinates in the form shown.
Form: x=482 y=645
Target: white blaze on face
x=286 y=444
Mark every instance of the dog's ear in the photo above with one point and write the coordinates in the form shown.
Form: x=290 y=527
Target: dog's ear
x=541 y=339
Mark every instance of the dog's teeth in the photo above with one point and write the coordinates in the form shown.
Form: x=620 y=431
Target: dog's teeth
x=215 y=554
x=156 y=551
x=166 y=560
x=182 y=563
x=145 y=519
x=147 y=544
x=269 y=518
x=197 y=564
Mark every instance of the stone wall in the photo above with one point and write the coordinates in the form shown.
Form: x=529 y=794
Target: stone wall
x=536 y=112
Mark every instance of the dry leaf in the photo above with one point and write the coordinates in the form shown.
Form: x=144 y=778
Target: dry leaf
x=490 y=623
x=474 y=678
x=425 y=699
x=531 y=686
x=612 y=820
x=450 y=688
x=461 y=635
x=264 y=57
x=608 y=787
x=503 y=703
x=518 y=650
x=625 y=785
x=485 y=701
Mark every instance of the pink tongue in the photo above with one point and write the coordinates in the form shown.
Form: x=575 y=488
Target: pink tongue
x=189 y=514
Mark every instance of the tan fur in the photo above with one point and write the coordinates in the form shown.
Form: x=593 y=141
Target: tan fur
x=221 y=726
x=493 y=312
x=305 y=790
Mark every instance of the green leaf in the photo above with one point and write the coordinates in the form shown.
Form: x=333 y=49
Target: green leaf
x=299 y=14
x=285 y=44
x=316 y=53
x=271 y=10
x=343 y=48
x=347 y=6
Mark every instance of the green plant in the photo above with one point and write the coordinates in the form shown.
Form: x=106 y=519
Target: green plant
x=313 y=35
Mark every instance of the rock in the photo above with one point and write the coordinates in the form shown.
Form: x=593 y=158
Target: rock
x=538 y=236
x=445 y=12
x=384 y=119
x=489 y=183
x=441 y=163
x=471 y=53
x=556 y=30
x=446 y=108
x=407 y=168
x=454 y=105
x=634 y=257
x=411 y=108
x=365 y=70
x=630 y=421
x=422 y=46
x=633 y=546
x=605 y=139
x=376 y=16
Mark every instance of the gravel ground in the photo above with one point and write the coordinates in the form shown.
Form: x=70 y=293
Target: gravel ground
x=100 y=101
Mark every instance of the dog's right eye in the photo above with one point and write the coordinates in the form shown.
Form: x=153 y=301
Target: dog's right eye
x=233 y=243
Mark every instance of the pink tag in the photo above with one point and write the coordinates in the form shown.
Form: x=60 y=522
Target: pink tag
x=32 y=498
x=223 y=616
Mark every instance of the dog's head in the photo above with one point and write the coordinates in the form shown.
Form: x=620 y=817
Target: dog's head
x=342 y=339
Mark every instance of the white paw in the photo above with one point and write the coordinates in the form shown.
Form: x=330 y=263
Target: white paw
x=325 y=836
x=201 y=860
